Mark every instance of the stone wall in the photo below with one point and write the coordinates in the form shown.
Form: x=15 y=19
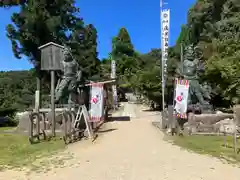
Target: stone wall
x=210 y=123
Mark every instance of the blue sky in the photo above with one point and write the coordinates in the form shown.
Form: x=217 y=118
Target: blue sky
x=140 y=17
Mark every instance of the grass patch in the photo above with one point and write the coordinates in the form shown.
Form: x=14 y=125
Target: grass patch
x=211 y=145
x=6 y=128
x=16 y=151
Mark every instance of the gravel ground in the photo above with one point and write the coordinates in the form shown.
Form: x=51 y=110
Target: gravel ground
x=131 y=150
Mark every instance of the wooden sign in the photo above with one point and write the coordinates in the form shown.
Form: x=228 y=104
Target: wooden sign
x=51 y=56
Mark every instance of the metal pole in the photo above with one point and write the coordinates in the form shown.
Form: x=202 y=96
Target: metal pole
x=163 y=82
x=163 y=99
x=53 y=103
x=181 y=58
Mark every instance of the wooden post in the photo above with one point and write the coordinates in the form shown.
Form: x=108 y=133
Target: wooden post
x=37 y=95
x=225 y=137
x=53 y=103
x=171 y=123
x=181 y=58
x=37 y=100
x=173 y=106
x=235 y=137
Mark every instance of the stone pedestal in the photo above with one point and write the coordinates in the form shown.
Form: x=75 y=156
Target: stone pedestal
x=209 y=123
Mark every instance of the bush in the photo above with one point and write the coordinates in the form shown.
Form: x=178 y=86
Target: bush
x=7 y=117
x=12 y=122
x=7 y=112
x=8 y=122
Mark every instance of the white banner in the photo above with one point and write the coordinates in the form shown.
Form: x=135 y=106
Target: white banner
x=113 y=69
x=165 y=25
x=181 y=97
x=115 y=97
x=97 y=99
x=114 y=87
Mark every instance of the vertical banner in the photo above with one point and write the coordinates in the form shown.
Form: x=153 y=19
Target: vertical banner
x=181 y=97
x=96 y=104
x=165 y=23
x=114 y=87
x=113 y=69
x=37 y=100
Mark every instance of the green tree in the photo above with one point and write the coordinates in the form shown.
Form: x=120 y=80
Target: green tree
x=224 y=62
x=213 y=25
x=84 y=48
x=10 y=3
x=183 y=39
x=122 y=51
x=127 y=59
x=39 y=22
x=17 y=89
x=105 y=68
x=149 y=77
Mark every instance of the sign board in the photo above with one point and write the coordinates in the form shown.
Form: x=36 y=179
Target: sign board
x=96 y=102
x=51 y=56
x=86 y=120
x=85 y=112
x=82 y=112
x=181 y=98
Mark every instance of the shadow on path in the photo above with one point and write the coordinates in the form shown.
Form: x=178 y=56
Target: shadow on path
x=152 y=110
x=107 y=130
x=119 y=118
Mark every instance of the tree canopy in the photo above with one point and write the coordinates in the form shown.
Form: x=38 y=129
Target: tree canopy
x=40 y=22
x=212 y=25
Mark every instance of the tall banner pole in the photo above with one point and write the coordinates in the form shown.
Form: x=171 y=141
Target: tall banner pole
x=165 y=23
x=114 y=87
x=163 y=119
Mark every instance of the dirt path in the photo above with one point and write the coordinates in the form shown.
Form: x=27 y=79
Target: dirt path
x=133 y=150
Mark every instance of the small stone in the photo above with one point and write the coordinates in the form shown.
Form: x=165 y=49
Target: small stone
x=219 y=112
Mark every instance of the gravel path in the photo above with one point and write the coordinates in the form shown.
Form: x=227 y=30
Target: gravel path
x=133 y=150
